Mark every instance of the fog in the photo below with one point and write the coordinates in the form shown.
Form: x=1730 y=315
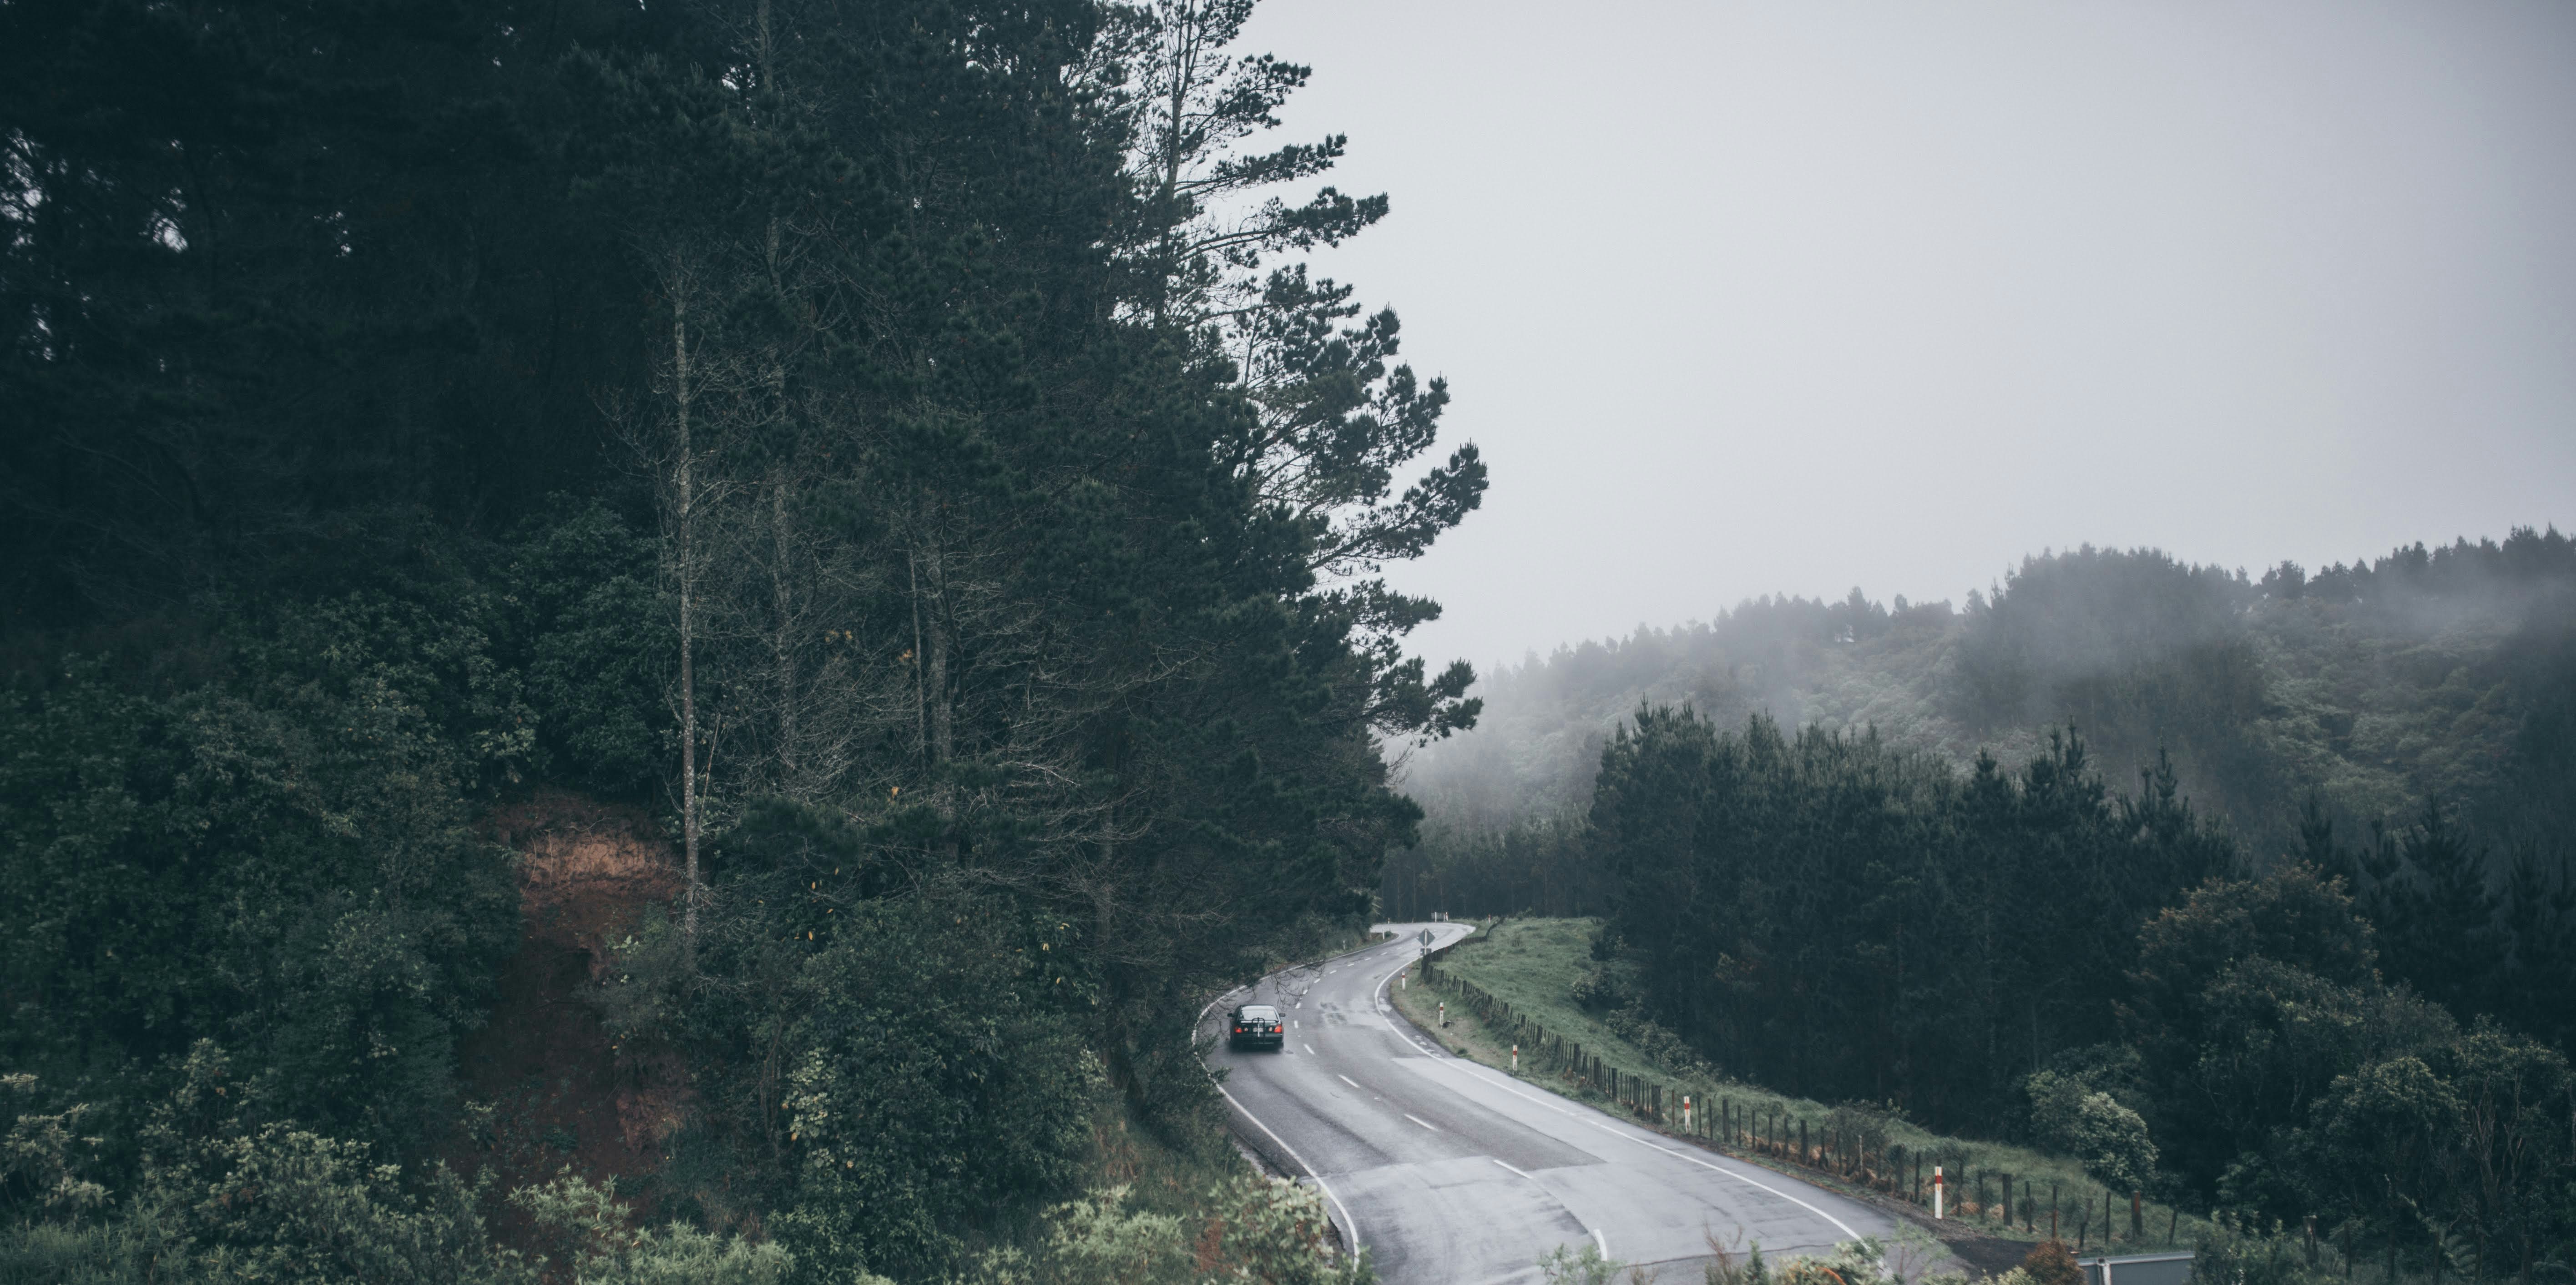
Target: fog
x=1792 y=297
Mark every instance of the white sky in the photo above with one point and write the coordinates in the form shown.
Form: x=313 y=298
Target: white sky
x=1796 y=295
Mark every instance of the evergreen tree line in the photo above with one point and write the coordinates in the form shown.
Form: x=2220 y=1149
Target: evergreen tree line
x=895 y=440
x=1537 y=867
x=2369 y=1030
x=2447 y=672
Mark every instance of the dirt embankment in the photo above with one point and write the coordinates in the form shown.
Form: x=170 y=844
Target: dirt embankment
x=550 y=1086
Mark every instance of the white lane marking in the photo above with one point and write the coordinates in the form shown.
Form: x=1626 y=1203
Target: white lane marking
x=1617 y=1133
x=1380 y=994
x=1310 y=1048
x=1419 y=1120
x=1602 y=1241
x=1329 y=1194
x=1347 y=1221
x=1513 y=1170
x=1482 y=1072
x=1292 y=1023
x=1219 y=1000
x=1347 y=1080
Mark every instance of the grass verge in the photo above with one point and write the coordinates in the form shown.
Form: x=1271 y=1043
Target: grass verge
x=1531 y=965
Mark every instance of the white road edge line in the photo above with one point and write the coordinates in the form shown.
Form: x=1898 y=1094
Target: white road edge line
x=1485 y=1073
x=1382 y=1003
x=1329 y=1194
x=1347 y=1221
x=1618 y=1133
x=1419 y=1120
x=1560 y=1201
x=1602 y=1241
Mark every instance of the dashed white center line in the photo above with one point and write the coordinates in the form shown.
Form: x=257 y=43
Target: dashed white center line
x=1346 y=1080
x=1310 y=1048
x=1419 y=1120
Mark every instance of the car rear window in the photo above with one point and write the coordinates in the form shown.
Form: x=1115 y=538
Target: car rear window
x=1264 y=1012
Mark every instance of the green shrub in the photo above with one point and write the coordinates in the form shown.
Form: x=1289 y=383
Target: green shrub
x=1248 y=1229
x=280 y=861
x=932 y=1084
x=595 y=1241
x=2110 y=1139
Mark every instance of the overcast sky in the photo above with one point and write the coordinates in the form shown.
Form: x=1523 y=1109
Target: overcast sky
x=1792 y=296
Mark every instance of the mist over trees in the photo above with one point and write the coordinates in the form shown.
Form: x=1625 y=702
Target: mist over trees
x=896 y=441
x=2253 y=894
x=2440 y=672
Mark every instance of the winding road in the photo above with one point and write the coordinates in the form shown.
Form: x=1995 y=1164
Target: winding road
x=1448 y=1171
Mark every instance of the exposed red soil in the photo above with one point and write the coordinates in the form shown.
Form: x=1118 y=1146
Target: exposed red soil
x=561 y=1090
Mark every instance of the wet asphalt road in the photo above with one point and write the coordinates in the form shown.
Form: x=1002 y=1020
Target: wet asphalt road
x=1447 y=1171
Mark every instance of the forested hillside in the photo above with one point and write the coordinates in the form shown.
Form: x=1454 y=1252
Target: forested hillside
x=2255 y=896
x=2445 y=673
x=888 y=446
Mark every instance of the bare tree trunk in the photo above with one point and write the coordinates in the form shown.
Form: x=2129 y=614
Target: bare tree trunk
x=941 y=714
x=768 y=70
x=782 y=641
x=684 y=484
x=920 y=688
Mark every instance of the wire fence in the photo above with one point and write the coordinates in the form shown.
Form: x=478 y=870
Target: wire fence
x=1851 y=1147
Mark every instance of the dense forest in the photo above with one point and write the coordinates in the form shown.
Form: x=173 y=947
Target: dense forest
x=895 y=446
x=2301 y=947
x=2430 y=674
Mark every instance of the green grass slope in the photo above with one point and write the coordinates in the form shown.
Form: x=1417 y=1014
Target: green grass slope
x=1532 y=965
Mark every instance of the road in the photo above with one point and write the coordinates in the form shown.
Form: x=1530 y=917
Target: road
x=1448 y=1171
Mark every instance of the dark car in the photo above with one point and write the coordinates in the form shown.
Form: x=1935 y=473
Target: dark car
x=1255 y=1026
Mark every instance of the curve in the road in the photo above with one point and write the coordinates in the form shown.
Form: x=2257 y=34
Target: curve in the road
x=1450 y=1171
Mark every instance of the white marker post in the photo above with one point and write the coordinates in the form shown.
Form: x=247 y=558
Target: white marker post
x=1444 y=1012
x=1686 y=1120
x=1516 y=1059
x=1936 y=1193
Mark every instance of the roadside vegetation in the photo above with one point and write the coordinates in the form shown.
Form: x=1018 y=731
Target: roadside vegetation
x=2251 y=897
x=1539 y=967
x=673 y=642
